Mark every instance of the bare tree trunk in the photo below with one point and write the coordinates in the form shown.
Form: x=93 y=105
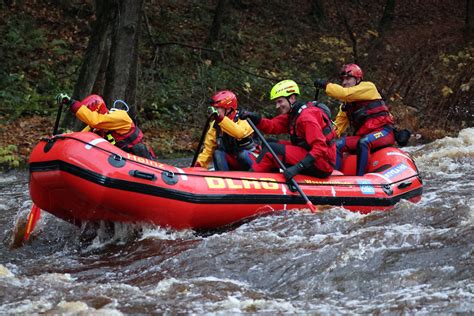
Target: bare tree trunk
x=97 y=51
x=121 y=72
x=317 y=11
x=99 y=84
x=385 y=24
x=219 y=12
x=133 y=80
x=110 y=63
x=387 y=17
x=348 y=28
x=469 y=31
x=97 y=54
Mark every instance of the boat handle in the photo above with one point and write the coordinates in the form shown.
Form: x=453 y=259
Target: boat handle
x=142 y=175
x=404 y=185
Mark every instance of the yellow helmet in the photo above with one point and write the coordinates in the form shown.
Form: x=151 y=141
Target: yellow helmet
x=284 y=88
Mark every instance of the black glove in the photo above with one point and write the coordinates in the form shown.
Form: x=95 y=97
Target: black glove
x=254 y=117
x=214 y=114
x=292 y=171
x=320 y=83
x=212 y=111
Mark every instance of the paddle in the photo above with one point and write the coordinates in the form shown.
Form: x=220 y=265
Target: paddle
x=35 y=212
x=201 y=141
x=58 y=117
x=282 y=166
x=316 y=95
x=33 y=218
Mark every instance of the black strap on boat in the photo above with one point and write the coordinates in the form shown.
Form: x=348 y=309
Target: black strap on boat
x=142 y=175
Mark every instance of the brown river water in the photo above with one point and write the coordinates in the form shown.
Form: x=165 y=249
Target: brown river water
x=415 y=259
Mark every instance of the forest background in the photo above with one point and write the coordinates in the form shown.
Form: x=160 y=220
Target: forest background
x=419 y=53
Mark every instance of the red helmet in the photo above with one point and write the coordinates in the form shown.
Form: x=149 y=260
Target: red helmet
x=224 y=99
x=352 y=70
x=95 y=103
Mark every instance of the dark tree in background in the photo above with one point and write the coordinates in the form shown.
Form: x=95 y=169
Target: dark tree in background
x=317 y=11
x=219 y=13
x=121 y=76
x=110 y=64
x=94 y=65
x=386 y=21
x=470 y=19
x=348 y=28
x=384 y=25
x=363 y=51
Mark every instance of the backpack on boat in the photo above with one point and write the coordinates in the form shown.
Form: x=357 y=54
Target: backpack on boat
x=323 y=107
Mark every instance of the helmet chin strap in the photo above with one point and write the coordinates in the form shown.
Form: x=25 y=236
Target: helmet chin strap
x=228 y=111
x=289 y=102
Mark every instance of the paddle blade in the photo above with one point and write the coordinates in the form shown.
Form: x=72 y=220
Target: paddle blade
x=311 y=206
x=33 y=217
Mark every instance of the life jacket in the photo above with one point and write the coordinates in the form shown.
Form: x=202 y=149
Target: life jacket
x=125 y=141
x=327 y=129
x=359 y=112
x=231 y=145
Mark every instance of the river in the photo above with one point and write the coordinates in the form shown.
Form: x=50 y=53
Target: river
x=415 y=259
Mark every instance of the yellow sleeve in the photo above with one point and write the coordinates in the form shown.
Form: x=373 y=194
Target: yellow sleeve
x=341 y=122
x=86 y=129
x=365 y=90
x=118 y=120
x=238 y=130
x=210 y=145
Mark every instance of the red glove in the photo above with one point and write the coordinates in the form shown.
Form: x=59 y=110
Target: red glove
x=197 y=164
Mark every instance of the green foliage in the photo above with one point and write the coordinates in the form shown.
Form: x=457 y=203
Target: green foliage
x=28 y=76
x=9 y=157
x=254 y=50
x=20 y=97
x=175 y=93
x=459 y=60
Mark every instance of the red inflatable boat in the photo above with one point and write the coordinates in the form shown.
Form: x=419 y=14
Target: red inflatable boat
x=81 y=177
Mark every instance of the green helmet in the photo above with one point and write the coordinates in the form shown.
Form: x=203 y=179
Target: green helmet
x=284 y=88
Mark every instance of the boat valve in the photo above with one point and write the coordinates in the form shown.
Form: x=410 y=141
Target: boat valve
x=116 y=160
x=169 y=177
x=387 y=188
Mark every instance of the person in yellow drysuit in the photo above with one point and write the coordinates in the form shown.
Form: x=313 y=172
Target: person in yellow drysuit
x=229 y=142
x=116 y=126
x=365 y=110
